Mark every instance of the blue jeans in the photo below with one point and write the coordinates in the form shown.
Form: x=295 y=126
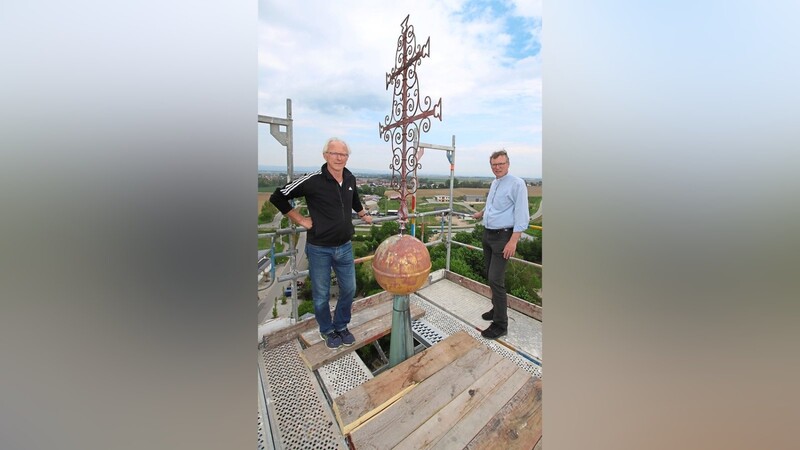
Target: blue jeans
x=320 y=262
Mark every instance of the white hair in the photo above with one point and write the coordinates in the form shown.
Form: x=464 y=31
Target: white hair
x=335 y=139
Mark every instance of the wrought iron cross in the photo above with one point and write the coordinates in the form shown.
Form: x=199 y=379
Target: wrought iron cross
x=409 y=115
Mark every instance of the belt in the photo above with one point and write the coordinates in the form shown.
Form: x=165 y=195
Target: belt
x=501 y=230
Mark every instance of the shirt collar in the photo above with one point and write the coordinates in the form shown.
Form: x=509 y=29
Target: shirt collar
x=345 y=173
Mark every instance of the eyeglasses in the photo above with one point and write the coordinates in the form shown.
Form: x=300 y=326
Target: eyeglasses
x=500 y=164
x=338 y=155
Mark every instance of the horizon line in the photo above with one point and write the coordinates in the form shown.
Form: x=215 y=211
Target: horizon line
x=266 y=168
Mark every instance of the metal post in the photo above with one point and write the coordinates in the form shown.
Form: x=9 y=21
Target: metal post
x=401 y=346
x=414 y=195
x=290 y=175
x=289 y=141
x=294 y=239
x=451 y=156
x=286 y=138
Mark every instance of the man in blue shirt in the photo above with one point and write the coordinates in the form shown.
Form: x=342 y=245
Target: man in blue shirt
x=505 y=217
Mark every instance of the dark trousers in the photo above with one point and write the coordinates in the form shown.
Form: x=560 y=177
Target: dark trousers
x=495 y=266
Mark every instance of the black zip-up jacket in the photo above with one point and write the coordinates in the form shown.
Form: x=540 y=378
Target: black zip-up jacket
x=329 y=204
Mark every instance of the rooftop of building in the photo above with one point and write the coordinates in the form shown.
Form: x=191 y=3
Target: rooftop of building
x=458 y=389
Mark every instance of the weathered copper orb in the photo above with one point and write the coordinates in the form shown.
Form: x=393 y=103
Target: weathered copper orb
x=401 y=264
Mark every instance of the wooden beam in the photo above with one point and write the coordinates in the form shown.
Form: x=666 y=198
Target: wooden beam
x=363 y=400
x=518 y=425
x=393 y=424
x=284 y=335
x=362 y=316
x=370 y=414
x=319 y=354
x=462 y=432
x=431 y=431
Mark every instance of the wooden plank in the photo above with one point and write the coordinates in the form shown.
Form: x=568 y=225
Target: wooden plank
x=538 y=445
x=369 y=396
x=284 y=335
x=357 y=318
x=518 y=424
x=319 y=354
x=431 y=431
x=462 y=432
x=370 y=414
x=396 y=422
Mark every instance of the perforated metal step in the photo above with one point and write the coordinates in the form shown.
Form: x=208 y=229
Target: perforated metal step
x=261 y=443
x=426 y=332
x=303 y=416
x=344 y=374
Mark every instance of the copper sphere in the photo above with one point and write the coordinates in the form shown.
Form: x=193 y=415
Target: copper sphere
x=401 y=264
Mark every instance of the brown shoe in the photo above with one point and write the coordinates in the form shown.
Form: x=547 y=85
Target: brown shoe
x=493 y=332
x=488 y=315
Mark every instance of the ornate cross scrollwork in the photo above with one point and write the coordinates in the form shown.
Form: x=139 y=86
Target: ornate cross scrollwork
x=409 y=116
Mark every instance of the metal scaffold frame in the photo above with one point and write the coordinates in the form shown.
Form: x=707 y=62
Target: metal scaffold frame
x=286 y=139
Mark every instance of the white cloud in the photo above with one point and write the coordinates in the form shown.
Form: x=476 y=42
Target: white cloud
x=330 y=58
x=528 y=8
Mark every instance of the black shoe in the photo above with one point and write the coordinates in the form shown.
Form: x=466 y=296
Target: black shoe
x=488 y=315
x=347 y=337
x=332 y=340
x=493 y=332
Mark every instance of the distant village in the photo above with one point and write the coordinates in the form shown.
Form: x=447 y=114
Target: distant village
x=375 y=188
x=266 y=178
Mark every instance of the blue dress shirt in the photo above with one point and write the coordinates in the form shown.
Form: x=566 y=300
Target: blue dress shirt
x=507 y=204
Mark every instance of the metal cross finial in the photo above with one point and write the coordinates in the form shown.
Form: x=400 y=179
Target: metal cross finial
x=409 y=116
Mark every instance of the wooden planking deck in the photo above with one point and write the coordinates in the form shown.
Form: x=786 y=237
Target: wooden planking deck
x=462 y=432
x=517 y=425
x=319 y=354
x=311 y=337
x=431 y=431
x=282 y=336
x=456 y=394
x=364 y=401
x=393 y=424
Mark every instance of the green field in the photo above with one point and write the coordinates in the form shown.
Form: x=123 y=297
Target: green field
x=533 y=204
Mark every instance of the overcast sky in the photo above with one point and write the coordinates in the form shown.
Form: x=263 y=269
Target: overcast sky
x=331 y=59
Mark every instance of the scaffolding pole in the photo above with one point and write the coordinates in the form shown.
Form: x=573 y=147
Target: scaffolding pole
x=286 y=138
x=451 y=157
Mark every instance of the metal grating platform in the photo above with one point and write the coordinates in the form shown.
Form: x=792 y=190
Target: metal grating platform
x=426 y=332
x=449 y=326
x=261 y=444
x=267 y=436
x=468 y=306
x=303 y=416
x=344 y=374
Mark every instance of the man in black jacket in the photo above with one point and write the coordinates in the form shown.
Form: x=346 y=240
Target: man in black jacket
x=331 y=196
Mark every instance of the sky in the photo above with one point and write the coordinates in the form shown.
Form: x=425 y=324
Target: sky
x=331 y=59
